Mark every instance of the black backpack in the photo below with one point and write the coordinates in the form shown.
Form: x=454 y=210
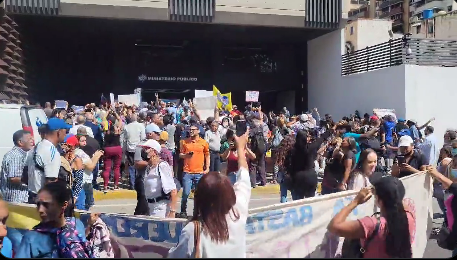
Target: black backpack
x=258 y=143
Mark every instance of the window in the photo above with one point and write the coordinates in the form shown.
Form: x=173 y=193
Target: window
x=418 y=29
x=352 y=30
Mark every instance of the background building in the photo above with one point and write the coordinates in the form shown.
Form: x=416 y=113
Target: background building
x=362 y=33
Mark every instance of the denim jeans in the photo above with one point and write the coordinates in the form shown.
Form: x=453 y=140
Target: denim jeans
x=132 y=176
x=215 y=162
x=232 y=177
x=89 y=193
x=80 y=203
x=187 y=181
x=283 y=192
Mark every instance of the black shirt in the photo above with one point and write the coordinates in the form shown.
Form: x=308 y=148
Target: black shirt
x=112 y=140
x=338 y=167
x=417 y=161
x=91 y=147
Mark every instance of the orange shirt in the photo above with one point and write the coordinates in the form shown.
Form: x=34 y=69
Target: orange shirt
x=200 y=148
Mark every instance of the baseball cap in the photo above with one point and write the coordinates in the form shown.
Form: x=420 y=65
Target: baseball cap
x=151 y=144
x=304 y=117
x=374 y=117
x=57 y=124
x=71 y=140
x=164 y=136
x=401 y=120
x=82 y=131
x=405 y=140
x=152 y=128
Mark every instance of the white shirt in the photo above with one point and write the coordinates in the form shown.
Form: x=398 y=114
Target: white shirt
x=134 y=133
x=429 y=149
x=88 y=176
x=48 y=157
x=154 y=182
x=74 y=130
x=358 y=182
x=235 y=247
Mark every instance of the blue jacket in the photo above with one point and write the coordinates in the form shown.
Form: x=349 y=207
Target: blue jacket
x=40 y=245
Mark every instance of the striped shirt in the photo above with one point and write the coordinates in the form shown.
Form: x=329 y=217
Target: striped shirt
x=12 y=167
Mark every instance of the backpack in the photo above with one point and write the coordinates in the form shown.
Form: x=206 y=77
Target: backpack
x=277 y=138
x=69 y=243
x=352 y=248
x=258 y=143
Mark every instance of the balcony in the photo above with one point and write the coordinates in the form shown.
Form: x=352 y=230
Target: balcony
x=436 y=4
x=360 y=2
x=37 y=7
x=422 y=52
x=394 y=11
x=389 y=3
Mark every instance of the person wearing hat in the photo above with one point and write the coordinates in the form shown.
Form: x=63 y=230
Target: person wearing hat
x=159 y=186
x=44 y=164
x=165 y=154
x=409 y=160
x=77 y=170
x=91 y=146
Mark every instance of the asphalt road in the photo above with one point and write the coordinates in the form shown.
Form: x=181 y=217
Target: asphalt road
x=127 y=206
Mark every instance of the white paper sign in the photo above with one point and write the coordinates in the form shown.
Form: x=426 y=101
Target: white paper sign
x=252 y=96
x=111 y=99
x=203 y=93
x=382 y=112
x=61 y=104
x=205 y=106
x=130 y=100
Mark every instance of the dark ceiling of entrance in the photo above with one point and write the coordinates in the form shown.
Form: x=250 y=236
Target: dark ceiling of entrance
x=144 y=31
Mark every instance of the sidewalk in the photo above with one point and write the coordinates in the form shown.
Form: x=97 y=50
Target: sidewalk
x=269 y=189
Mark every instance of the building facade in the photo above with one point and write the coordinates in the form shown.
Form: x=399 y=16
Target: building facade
x=91 y=47
x=443 y=27
x=362 y=33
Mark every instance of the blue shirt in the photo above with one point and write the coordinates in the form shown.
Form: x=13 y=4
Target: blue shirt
x=7 y=249
x=40 y=245
x=356 y=137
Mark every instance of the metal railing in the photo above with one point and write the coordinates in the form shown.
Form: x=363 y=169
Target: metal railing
x=192 y=10
x=37 y=7
x=323 y=14
x=424 y=52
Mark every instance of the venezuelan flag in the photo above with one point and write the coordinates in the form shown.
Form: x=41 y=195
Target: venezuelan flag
x=224 y=101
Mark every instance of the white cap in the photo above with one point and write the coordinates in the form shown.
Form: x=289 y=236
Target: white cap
x=405 y=140
x=151 y=144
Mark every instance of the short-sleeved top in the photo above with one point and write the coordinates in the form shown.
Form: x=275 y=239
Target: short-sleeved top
x=416 y=162
x=200 y=148
x=338 y=167
x=7 y=248
x=377 y=246
x=154 y=182
x=48 y=157
x=356 y=137
x=88 y=176
x=137 y=158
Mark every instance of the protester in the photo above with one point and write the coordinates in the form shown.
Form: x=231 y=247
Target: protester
x=134 y=134
x=112 y=156
x=428 y=146
x=89 y=164
x=159 y=187
x=14 y=161
x=285 y=147
x=98 y=235
x=44 y=162
x=259 y=137
x=451 y=206
x=77 y=169
x=365 y=168
x=195 y=152
x=165 y=153
x=213 y=137
x=394 y=235
x=5 y=243
x=80 y=121
x=56 y=236
x=231 y=156
x=220 y=214
x=410 y=160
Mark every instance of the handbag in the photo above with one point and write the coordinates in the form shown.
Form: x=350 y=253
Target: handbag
x=197 y=232
x=443 y=238
x=352 y=248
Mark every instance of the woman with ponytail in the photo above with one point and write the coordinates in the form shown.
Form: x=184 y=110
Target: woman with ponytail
x=396 y=228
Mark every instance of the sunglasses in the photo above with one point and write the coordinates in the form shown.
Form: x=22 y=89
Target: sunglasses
x=43 y=203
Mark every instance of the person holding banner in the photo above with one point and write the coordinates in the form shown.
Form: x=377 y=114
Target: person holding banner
x=221 y=211
x=389 y=236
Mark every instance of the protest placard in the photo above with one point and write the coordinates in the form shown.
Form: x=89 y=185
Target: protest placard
x=252 y=96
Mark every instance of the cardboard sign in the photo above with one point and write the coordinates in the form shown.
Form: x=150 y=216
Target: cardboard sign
x=252 y=96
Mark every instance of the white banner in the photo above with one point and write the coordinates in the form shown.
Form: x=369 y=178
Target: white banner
x=205 y=106
x=294 y=229
x=299 y=229
x=203 y=93
x=130 y=100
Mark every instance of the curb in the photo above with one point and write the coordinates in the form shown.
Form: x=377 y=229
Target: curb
x=131 y=194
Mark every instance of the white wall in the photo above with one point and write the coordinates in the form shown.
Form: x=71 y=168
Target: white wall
x=372 y=32
x=341 y=96
x=431 y=92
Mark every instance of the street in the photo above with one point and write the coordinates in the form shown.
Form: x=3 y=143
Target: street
x=127 y=206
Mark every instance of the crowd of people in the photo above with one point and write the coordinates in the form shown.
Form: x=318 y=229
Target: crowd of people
x=159 y=148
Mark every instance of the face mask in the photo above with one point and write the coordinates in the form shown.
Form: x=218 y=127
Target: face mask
x=453 y=173
x=454 y=151
x=144 y=155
